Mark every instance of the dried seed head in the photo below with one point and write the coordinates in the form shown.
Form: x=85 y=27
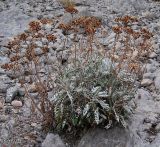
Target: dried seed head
x=46 y=21
x=71 y=9
x=14 y=42
x=65 y=27
x=7 y=66
x=134 y=67
x=90 y=30
x=45 y=49
x=51 y=37
x=35 y=26
x=38 y=35
x=117 y=29
x=23 y=36
x=15 y=58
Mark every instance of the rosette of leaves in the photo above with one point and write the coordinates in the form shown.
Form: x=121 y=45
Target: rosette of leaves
x=89 y=95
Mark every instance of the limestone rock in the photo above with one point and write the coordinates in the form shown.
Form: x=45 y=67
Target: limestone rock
x=146 y=82
x=52 y=140
x=16 y=103
x=114 y=137
x=157 y=82
x=11 y=93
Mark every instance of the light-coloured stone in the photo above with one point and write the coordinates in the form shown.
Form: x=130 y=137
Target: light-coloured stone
x=1 y=105
x=3 y=118
x=146 y=82
x=157 y=82
x=39 y=43
x=11 y=93
x=16 y=103
x=4 y=133
x=114 y=137
x=4 y=60
x=153 y=55
x=158 y=127
x=38 y=51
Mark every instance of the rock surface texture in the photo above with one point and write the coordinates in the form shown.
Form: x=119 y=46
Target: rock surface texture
x=19 y=128
x=116 y=137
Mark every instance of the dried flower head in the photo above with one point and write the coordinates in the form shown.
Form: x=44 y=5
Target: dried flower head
x=35 y=26
x=45 y=49
x=90 y=30
x=71 y=10
x=117 y=29
x=126 y=19
x=134 y=67
x=51 y=37
x=46 y=21
x=136 y=35
x=7 y=66
x=146 y=34
x=23 y=36
x=38 y=35
x=15 y=58
x=14 y=42
x=65 y=27
x=128 y=30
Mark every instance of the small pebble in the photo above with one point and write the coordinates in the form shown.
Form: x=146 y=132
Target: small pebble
x=153 y=55
x=146 y=82
x=16 y=103
x=1 y=105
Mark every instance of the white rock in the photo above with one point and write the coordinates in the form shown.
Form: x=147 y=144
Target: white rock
x=49 y=8
x=16 y=103
x=146 y=82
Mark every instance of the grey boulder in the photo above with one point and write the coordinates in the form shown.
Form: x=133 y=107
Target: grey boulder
x=114 y=137
x=52 y=140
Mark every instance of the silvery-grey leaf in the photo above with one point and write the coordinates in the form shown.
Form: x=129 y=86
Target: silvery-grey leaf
x=104 y=105
x=109 y=125
x=96 y=115
x=103 y=94
x=70 y=97
x=95 y=89
x=86 y=109
x=117 y=117
x=123 y=121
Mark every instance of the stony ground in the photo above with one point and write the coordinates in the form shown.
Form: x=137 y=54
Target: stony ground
x=18 y=127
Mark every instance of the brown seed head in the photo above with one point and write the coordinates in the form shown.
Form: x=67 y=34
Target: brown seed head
x=51 y=37
x=35 y=26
